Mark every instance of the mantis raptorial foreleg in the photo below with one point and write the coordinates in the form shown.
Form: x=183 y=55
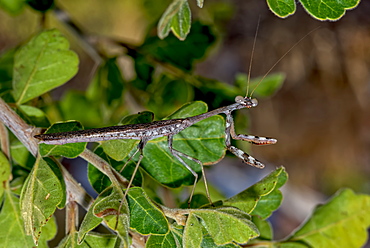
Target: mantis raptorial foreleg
x=230 y=132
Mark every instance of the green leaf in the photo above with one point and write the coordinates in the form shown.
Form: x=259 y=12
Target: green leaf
x=43 y=191
x=177 y=18
x=33 y=116
x=328 y=9
x=203 y=140
x=181 y=22
x=92 y=239
x=44 y=63
x=4 y=172
x=224 y=225
x=70 y=150
x=282 y=8
x=261 y=198
x=268 y=204
x=12 y=6
x=146 y=217
x=14 y=236
x=343 y=220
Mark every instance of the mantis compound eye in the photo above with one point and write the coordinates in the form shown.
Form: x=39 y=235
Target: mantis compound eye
x=254 y=102
x=239 y=99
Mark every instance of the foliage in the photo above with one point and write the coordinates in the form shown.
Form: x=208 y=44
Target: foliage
x=177 y=16
x=163 y=71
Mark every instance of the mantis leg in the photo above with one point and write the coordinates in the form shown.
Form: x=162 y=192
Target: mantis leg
x=230 y=132
x=177 y=154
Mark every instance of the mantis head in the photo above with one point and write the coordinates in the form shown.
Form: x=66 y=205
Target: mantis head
x=246 y=101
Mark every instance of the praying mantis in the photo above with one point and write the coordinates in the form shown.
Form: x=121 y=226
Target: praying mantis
x=145 y=132
x=148 y=131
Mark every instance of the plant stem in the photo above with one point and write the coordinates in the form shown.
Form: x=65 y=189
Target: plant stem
x=19 y=128
x=24 y=133
x=71 y=216
x=102 y=165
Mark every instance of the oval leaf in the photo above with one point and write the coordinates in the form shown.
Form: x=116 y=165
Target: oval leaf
x=224 y=225
x=177 y=18
x=42 y=192
x=14 y=235
x=44 y=63
x=328 y=9
x=146 y=218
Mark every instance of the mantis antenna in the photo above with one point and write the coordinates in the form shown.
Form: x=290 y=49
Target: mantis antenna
x=278 y=61
x=252 y=54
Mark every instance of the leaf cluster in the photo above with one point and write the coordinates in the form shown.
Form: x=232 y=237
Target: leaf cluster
x=33 y=188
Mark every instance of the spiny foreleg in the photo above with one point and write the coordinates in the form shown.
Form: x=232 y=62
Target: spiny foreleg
x=230 y=132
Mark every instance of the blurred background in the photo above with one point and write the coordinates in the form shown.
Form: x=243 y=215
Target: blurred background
x=320 y=116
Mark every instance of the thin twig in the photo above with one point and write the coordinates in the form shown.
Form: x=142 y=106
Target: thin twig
x=102 y=165
x=25 y=133
x=71 y=216
x=19 y=128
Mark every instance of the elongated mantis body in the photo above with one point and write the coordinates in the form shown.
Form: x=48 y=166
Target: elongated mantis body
x=148 y=131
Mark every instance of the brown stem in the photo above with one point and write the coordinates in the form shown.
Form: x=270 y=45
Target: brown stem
x=19 y=128
x=102 y=165
x=71 y=216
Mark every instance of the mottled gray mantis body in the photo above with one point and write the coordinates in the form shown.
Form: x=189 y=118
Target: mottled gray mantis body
x=148 y=131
